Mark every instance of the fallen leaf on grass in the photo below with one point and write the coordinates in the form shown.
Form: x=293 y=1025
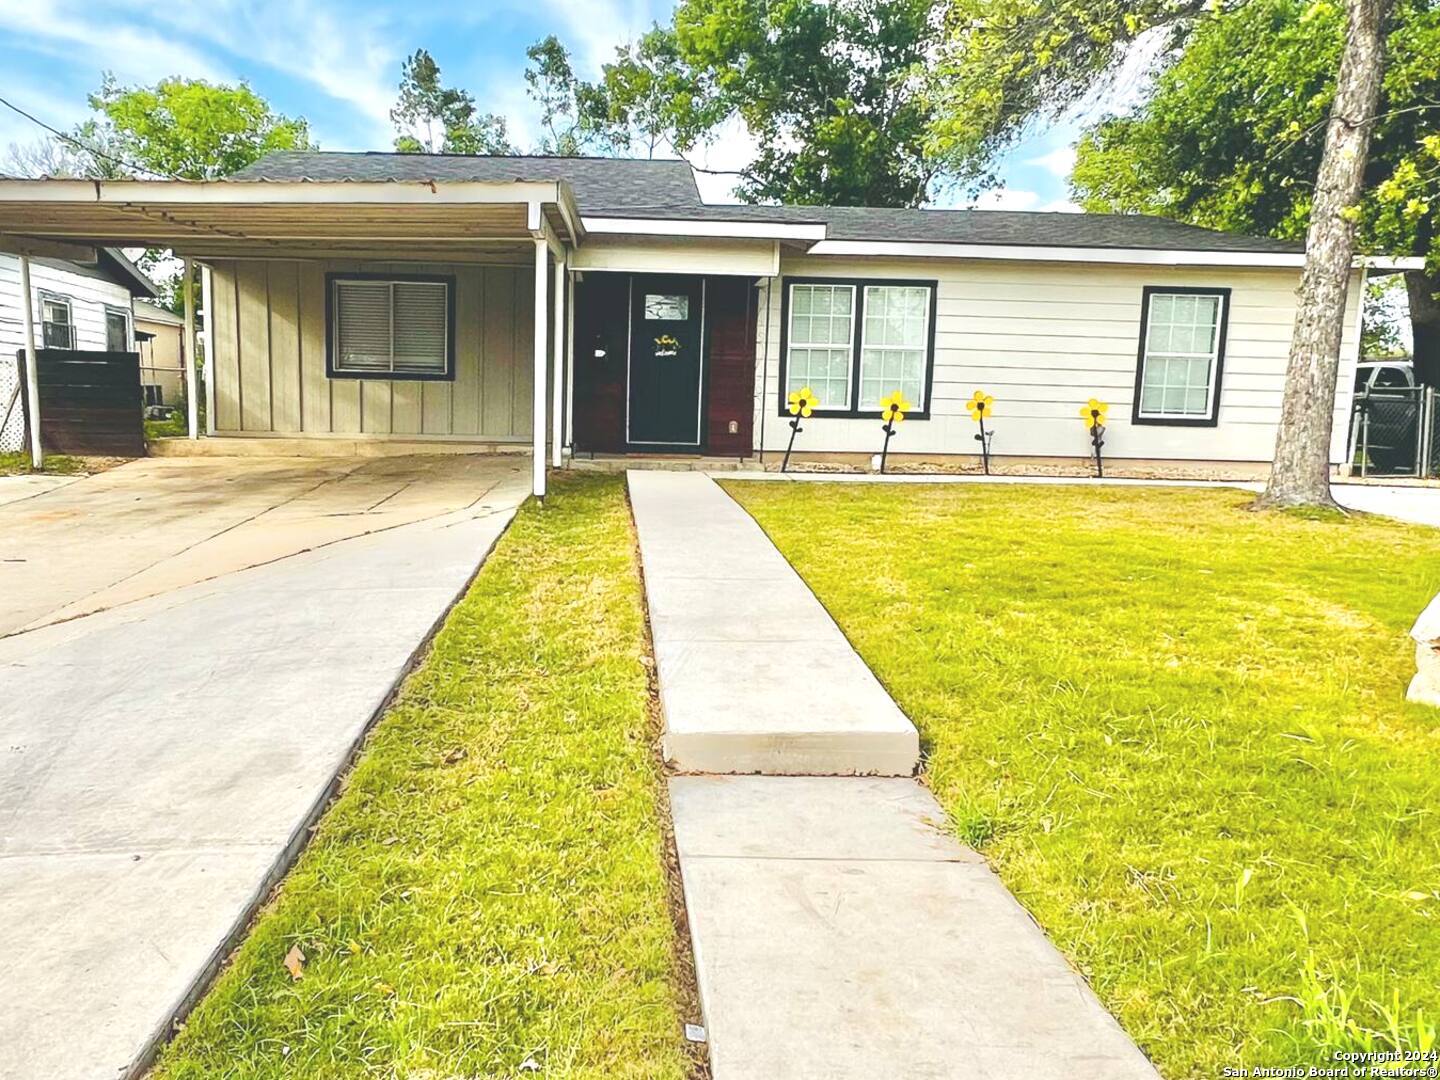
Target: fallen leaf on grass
x=295 y=963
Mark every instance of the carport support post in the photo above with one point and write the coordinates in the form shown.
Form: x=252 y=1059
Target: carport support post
x=32 y=372
x=557 y=404
x=542 y=348
x=192 y=388
x=206 y=311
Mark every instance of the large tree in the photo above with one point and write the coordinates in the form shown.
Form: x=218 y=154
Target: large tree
x=432 y=118
x=1008 y=62
x=1230 y=138
x=186 y=128
x=828 y=92
x=574 y=114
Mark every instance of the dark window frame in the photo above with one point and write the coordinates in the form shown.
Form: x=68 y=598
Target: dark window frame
x=1213 y=419
x=69 y=304
x=860 y=284
x=124 y=313
x=332 y=372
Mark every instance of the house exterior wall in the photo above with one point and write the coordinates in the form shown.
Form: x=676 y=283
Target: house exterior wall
x=675 y=255
x=161 y=358
x=89 y=295
x=1045 y=337
x=270 y=343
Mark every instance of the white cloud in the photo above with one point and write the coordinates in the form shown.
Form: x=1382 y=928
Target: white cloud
x=74 y=33
x=1018 y=199
x=1006 y=199
x=592 y=30
x=346 y=53
x=732 y=148
x=1060 y=161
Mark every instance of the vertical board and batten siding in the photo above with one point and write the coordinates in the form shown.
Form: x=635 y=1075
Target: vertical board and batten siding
x=270 y=339
x=1045 y=337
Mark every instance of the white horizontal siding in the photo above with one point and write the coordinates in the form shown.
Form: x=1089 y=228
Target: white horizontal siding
x=88 y=298
x=1043 y=338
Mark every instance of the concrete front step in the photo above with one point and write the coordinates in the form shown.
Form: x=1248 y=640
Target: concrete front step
x=312 y=446
x=839 y=934
x=755 y=677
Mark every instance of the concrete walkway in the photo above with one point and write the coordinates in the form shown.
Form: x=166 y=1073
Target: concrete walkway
x=162 y=759
x=839 y=930
x=723 y=601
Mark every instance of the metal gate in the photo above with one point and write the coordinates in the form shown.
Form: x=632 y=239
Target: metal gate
x=1396 y=433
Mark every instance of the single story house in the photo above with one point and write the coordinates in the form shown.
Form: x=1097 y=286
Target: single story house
x=160 y=341
x=75 y=305
x=573 y=306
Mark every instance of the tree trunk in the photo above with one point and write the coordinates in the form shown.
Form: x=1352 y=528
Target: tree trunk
x=1300 y=475
x=1424 y=290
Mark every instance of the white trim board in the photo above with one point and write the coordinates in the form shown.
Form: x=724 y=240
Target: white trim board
x=762 y=230
x=1144 y=256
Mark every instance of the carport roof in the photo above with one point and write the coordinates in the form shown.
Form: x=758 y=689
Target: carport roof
x=421 y=218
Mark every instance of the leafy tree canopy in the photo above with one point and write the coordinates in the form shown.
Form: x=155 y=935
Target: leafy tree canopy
x=187 y=128
x=1231 y=135
x=828 y=91
x=574 y=114
x=1004 y=64
x=433 y=118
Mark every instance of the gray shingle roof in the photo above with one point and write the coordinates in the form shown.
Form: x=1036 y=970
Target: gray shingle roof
x=1018 y=227
x=599 y=183
x=622 y=187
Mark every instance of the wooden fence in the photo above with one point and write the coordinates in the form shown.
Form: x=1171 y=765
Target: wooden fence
x=89 y=402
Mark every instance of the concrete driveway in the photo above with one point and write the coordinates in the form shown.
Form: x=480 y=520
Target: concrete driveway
x=191 y=650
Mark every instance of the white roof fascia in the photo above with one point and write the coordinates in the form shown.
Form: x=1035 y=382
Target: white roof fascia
x=759 y=230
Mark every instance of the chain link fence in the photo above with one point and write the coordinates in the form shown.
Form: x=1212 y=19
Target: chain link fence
x=1396 y=433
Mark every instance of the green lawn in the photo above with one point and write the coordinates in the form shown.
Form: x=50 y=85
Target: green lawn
x=1176 y=728
x=14 y=464
x=489 y=889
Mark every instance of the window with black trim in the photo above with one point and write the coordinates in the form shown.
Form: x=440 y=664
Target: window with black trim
x=854 y=341
x=1182 y=355
x=390 y=327
x=56 y=322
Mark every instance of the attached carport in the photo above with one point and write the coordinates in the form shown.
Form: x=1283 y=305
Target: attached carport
x=382 y=221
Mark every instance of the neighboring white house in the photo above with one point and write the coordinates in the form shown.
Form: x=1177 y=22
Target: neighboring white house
x=598 y=305
x=76 y=306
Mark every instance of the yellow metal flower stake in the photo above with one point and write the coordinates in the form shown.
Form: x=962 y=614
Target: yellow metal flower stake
x=893 y=408
x=802 y=404
x=982 y=405
x=1093 y=413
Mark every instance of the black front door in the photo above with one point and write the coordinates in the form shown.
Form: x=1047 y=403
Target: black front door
x=665 y=361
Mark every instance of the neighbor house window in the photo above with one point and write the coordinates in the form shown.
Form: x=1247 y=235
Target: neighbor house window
x=1182 y=350
x=117 y=330
x=391 y=327
x=853 y=342
x=58 y=328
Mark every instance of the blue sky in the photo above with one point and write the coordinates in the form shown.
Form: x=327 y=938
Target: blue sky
x=337 y=64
